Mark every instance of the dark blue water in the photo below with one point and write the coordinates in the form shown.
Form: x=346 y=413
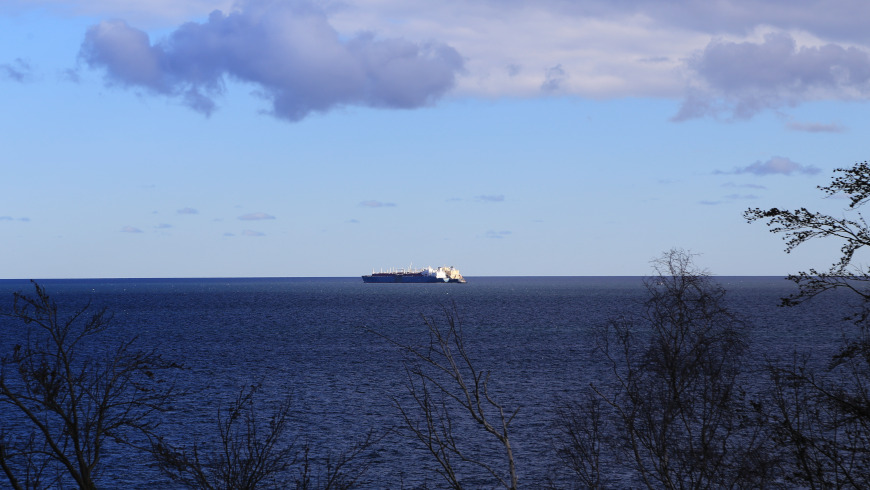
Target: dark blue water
x=310 y=339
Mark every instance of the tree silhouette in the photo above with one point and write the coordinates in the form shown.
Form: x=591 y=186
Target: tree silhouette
x=251 y=453
x=822 y=416
x=67 y=393
x=449 y=394
x=674 y=414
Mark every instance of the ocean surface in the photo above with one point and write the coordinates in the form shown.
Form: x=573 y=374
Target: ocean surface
x=310 y=338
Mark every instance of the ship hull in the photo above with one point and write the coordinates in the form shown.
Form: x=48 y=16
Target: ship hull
x=403 y=278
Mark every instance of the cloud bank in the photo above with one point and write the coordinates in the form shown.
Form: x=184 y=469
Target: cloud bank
x=299 y=63
x=729 y=58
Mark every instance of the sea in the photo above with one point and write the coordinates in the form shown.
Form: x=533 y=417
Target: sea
x=326 y=344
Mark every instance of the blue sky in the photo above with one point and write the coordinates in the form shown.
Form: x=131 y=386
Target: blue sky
x=211 y=138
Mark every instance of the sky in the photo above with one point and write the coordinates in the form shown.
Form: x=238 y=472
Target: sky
x=285 y=138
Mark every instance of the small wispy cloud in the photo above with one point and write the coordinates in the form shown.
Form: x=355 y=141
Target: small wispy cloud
x=188 y=211
x=741 y=197
x=710 y=203
x=377 y=204
x=10 y=218
x=252 y=233
x=255 y=216
x=816 y=127
x=774 y=166
x=163 y=226
x=491 y=198
x=70 y=75
x=130 y=229
x=744 y=186
x=352 y=220
x=497 y=234
x=18 y=70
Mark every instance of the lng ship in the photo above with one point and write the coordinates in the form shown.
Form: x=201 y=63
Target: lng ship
x=441 y=274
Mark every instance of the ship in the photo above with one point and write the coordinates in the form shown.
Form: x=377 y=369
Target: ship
x=428 y=274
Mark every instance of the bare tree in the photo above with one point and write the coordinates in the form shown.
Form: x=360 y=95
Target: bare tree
x=449 y=396
x=250 y=453
x=341 y=471
x=66 y=394
x=822 y=416
x=677 y=415
x=581 y=435
x=826 y=441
